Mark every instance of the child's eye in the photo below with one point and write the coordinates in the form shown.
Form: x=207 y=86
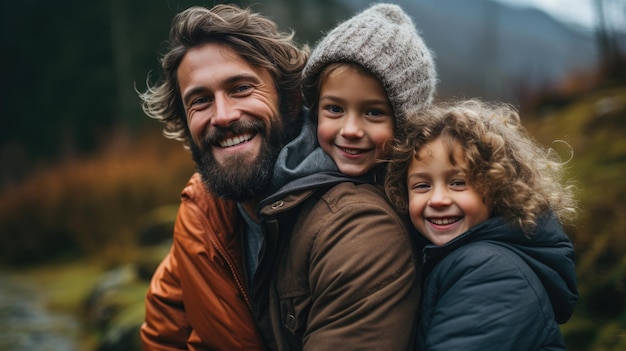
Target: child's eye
x=420 y=187
x=333 y=109
x=374 y=112
x=378 y=114
x=458 y=183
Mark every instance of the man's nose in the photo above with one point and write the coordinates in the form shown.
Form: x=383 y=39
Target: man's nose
x=225 y=111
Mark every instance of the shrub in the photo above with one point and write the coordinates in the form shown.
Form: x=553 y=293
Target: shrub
x=92 y=205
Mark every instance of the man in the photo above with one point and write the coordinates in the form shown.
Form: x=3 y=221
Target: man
x=302 y=269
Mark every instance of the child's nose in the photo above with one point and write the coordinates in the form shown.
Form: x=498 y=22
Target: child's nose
x=439 y=197
x=352 y=127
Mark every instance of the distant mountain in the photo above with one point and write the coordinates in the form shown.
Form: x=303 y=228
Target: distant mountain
x=488 y=49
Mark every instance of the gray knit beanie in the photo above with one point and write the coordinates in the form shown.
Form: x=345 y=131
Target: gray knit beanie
x=384 y=41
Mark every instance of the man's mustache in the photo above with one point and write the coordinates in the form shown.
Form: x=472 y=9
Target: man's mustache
x=218 y=133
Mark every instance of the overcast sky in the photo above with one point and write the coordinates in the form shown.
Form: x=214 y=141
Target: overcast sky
x=581 y=12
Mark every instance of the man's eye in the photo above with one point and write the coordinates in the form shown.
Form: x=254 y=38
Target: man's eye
x=200 y=101
x=243 y=88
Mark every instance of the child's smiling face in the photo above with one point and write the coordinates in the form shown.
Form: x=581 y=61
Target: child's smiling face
x=442 y=205
x=355 y=120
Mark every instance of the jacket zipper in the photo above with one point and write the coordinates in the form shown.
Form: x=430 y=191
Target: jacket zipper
x=233 y=271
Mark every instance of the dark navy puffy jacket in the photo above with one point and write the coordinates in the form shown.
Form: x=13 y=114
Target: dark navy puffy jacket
x=493 y=288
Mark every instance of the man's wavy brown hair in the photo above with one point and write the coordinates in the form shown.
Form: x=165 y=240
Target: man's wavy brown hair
x=254 y=37
x=518 y=178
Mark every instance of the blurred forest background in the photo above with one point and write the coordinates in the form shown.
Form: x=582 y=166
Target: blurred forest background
x=89 y=187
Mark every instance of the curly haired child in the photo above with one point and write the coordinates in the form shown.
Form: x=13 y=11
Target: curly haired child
x=489 y=203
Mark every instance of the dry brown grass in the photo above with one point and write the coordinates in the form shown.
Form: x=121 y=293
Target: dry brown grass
x=92 y=205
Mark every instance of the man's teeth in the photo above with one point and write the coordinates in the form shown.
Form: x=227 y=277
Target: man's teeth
x=443 y=221
x=235 y=140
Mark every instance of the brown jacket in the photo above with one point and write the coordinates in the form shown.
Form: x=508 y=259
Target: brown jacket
x=344 y=275
x=197 y=299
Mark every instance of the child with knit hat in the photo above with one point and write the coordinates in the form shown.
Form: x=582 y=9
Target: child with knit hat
x=346 y=275
x=488 y=203
x=362 y=80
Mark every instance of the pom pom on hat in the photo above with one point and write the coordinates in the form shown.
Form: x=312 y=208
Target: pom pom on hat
x=384 y=41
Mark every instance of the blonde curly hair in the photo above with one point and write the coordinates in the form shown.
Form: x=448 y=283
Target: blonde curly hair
x=518 y=178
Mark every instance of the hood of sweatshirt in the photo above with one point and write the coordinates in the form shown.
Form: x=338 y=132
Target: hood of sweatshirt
x=302 y=164
x=301 y=157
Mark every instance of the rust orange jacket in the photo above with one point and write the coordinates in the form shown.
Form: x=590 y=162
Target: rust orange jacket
x=206 y=248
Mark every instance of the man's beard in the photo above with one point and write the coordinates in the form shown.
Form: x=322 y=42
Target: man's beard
x=238 y=178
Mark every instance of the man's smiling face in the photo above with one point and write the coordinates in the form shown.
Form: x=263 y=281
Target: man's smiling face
x=233 y=118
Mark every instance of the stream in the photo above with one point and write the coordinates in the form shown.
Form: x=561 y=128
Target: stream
x=26 y=323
